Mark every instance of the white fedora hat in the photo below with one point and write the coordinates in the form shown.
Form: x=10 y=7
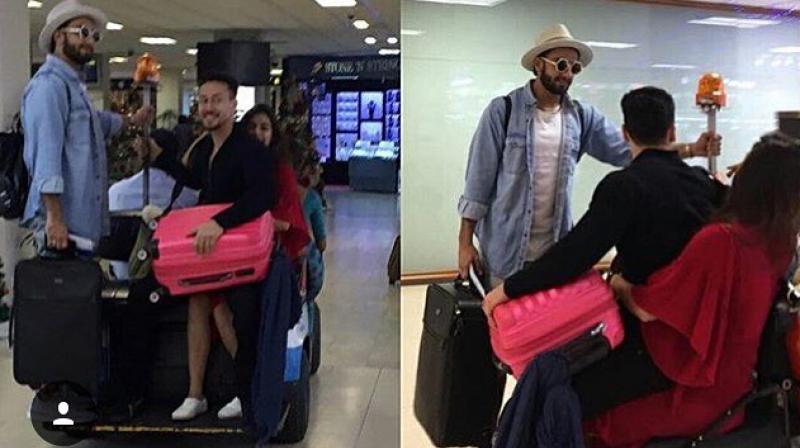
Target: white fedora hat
x=63 y=13
x=556 y=36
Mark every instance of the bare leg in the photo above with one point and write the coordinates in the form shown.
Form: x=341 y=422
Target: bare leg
x=199 y=341
x=224 y=319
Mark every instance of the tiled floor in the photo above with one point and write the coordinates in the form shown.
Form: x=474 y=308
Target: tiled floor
x=412 y=300
x=355 y=394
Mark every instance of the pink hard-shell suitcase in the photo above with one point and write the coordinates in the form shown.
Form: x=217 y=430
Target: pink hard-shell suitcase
x=536 y=323
x=240 y=256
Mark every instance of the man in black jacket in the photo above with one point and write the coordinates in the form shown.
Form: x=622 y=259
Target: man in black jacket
x=228 y=166
x=649 y=211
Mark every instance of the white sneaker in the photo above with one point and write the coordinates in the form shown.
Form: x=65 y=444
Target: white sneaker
x=231 y=410
x=190 y=408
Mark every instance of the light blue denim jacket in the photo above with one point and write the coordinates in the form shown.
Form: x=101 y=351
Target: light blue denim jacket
x=499 y=181
x=65 y=150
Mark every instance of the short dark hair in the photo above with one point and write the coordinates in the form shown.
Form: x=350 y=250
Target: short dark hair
x=540 y=55
x=53 y=36
x=168 y=142
x=648 y=114
x=228 y=80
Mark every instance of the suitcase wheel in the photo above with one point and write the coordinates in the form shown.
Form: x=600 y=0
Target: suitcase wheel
x=155 y=296
x=142 y=255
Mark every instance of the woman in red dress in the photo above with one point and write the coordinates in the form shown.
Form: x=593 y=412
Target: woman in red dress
x=702 y=315
x=290 y=222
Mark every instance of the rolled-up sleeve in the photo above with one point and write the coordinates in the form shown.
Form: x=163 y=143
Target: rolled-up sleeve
x=110 y=122
x=45 y=112
x=483 y=161
x=602 y=139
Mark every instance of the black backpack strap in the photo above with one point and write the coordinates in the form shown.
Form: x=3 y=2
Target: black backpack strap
x=16 y=125
x=176 y=191
x=507 y=118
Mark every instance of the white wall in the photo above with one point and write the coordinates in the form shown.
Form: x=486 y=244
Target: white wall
x=169 y=91
x=467 y=55
x=14 y=73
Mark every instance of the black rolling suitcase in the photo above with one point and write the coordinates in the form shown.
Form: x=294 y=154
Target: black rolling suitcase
x=459 y=390
x=56 y=326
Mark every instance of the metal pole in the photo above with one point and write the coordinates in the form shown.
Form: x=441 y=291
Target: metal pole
x=712 y=129
x=146 y=89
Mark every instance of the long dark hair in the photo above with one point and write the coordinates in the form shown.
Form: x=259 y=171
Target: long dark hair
x=766 y=193
x=275 y=145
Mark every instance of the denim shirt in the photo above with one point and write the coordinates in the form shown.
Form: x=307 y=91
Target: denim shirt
x=499 y=180
x=65 y=150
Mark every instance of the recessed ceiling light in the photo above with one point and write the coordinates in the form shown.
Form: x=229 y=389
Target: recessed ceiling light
x=336 y=3
x=674 y=66
x=461 y=82
x=158 y=40
x=117 y=60
x=389 y=51
x=487 y=3
x=113 y=26
x=369 y=40
x=33 y=4
x=276 y=72
x=361 y=24
x=747 y=85
x=615 y=45
x=191 y=51
x=391 y=40
x=735 y=22
x=785 y=50
x=411 y=32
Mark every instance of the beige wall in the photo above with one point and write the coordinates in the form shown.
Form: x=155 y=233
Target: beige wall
x=14 y=73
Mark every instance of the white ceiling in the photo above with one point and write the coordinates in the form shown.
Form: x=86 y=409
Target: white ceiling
x=774 y=4
x=292 y=26
x=777 y=5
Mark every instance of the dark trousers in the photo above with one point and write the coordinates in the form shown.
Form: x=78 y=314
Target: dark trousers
x=625 y=374
x=245 y=304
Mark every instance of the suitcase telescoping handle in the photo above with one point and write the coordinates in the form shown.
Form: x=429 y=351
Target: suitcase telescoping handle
x=472 y=285
x=475 y=282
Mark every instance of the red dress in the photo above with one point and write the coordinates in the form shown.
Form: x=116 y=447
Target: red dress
x=711 y=305
x=290 y=210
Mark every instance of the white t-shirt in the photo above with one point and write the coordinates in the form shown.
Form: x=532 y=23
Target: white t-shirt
x=547 y=131
x=127 y=194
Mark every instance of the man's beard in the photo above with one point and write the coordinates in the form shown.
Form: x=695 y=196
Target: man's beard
x=216 y=122
x=73 y=53
x=550 y=84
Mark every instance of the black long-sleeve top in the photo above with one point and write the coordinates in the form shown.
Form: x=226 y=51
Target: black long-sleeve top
x=242 y=173
x=648 y=210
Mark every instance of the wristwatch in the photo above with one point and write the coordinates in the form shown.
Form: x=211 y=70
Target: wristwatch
x=686 y=151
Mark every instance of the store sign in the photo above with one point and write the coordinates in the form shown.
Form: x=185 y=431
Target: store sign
x=342 y=68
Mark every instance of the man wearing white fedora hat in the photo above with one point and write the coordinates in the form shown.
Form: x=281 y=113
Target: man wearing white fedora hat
x=523 y=156
x=65 y=149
